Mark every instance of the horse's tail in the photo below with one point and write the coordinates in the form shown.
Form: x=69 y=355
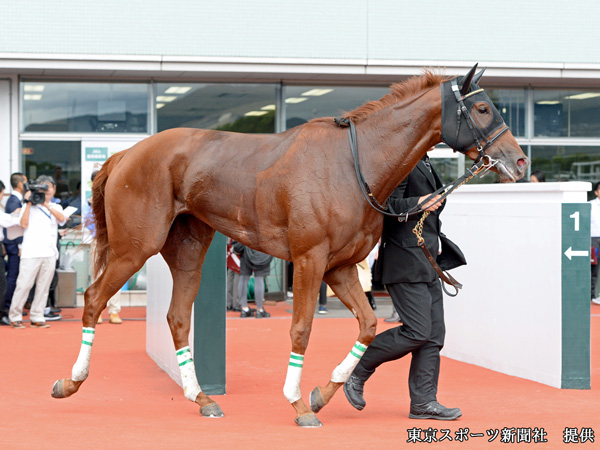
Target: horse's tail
x=98 y=217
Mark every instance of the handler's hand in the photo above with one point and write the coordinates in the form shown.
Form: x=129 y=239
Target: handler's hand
x=430 y=206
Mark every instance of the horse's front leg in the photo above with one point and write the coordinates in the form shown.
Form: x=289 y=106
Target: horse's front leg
x=308 y=274
x=345 y=284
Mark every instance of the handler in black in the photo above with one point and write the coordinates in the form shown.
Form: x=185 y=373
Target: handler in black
x=416 y=292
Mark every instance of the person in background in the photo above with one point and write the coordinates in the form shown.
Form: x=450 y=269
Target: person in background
x=62 y=187
x=252 y=261
x=595 y=234
x=6 y=220
x=75 y=201
x=18 y=182
x=290 y=280
x=233 y=278
x=537 y=176
x=323 y=298
x=38 y=255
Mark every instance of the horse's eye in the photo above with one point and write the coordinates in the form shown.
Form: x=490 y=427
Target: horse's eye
x=482 y=110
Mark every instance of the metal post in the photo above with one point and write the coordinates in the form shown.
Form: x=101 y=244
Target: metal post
x=209 y=319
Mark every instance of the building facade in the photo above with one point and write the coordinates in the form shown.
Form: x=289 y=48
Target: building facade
x=77 y=76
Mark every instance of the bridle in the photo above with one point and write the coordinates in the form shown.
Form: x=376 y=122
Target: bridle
x=476 y=131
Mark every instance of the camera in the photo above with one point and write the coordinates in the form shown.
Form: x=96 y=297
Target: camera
x=38 y=193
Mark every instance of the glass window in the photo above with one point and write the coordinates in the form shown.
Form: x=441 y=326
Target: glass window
x=557 y=162
x=566 y=113
x=566 y=163
x=511 y=104
x=446 y=168
x=59 y=159
x=85 y=107
x=246 y=108
x=304 y=103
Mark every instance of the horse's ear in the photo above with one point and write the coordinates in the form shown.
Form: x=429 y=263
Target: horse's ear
x=477 y=77
x=467 y=80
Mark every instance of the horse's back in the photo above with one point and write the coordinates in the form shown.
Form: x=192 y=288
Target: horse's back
x=249 y=187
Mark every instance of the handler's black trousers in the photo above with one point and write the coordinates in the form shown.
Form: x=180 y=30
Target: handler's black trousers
x=422 y=333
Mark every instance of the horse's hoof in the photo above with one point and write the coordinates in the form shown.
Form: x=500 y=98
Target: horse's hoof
x=316 y=400
x=58 y=389
x=65 y=388
x=211 y=410
x=308 y=421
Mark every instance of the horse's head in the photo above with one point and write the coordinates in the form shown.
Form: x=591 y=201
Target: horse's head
x=472 y=125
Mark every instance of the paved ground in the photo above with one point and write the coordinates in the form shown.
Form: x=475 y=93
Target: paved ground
x=336 y=309
x=129 y=403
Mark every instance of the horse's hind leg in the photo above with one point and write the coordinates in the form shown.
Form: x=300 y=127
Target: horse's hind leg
x=184 y=252
x=118 y=271
x=345 y=284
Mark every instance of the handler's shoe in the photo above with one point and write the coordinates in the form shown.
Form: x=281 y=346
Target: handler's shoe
x=114 y=318
x=433 y=410
x=247 y=313
x=261 y=313
x=354 y=389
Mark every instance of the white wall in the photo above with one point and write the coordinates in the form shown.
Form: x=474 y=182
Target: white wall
x=436 y=30
x=508 y=315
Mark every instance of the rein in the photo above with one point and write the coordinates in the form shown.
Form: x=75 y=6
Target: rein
x=484 y=164
x=481 y=166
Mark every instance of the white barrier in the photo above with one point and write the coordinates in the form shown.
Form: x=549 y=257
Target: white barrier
x=159 y=342
x=207 y=324
x=522 y=310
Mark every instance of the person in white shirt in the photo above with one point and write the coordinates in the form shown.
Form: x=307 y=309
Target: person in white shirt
x=38 y=255
x=595 y=233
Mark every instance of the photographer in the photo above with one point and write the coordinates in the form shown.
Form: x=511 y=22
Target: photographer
x=40 y=219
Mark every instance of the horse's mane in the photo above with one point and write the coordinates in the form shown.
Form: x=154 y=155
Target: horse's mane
x=416 y=84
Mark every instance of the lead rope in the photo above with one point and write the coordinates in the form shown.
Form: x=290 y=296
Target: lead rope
x=444 y=276
x=418 y=229
x=418 y=232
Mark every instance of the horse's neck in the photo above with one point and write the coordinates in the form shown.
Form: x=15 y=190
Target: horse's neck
x=394 y=139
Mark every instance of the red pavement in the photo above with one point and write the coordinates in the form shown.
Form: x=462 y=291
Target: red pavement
x=129 y=403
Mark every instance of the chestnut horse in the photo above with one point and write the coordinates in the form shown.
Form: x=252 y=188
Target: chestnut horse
x=293 y=195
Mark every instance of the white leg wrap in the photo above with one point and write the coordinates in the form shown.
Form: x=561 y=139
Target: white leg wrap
x=81 y=368
x=342 y=372
x=191 y=388
x=291 y=388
